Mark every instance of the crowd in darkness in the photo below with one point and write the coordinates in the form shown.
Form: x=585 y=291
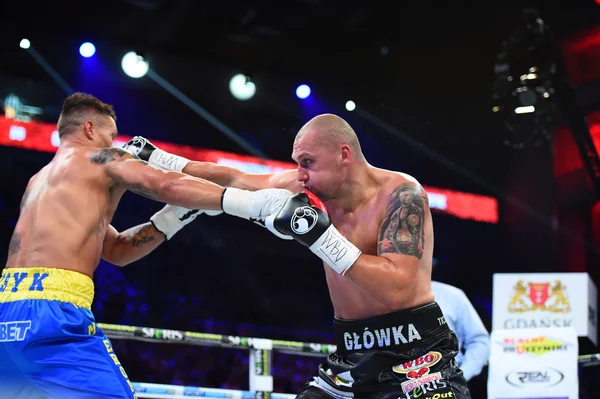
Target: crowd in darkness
x=227 y=276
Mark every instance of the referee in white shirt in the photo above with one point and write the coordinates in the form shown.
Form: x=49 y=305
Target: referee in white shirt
x=462 y=318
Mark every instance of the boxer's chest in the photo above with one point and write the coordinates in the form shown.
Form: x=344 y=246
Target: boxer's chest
x=361 y=227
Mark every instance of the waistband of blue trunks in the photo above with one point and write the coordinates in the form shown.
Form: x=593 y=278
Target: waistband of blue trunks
x=46 y=283
x=404 y=329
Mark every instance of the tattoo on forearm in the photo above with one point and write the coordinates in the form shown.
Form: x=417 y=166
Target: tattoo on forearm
x=143 y=191
x=107 y=155
x=143 y=235
x=403 y=229
x=14 y=245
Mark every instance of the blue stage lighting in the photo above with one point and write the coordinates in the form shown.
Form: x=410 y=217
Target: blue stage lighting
x=303 y=91
x=87 y=49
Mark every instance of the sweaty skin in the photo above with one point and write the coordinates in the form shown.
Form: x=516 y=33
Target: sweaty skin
x=68 y=206
x=384 y=213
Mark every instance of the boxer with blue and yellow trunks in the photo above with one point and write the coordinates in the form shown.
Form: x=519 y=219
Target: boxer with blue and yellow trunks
x=50 y=346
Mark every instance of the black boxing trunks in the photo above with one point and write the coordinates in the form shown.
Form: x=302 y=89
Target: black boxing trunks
x=405 y=354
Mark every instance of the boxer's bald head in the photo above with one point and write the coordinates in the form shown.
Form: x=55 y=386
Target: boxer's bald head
x=332 y=131
x=328 y=154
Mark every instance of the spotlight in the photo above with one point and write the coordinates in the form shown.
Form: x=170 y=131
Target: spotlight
x=25 y=44
x=526 y=109
x=303 y=91
x=134 y=65
x=350 y=105
x=87 y=50
x=241 y=87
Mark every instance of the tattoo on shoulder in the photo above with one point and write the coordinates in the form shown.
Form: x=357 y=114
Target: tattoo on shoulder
x=14 y=245
x=108 y=155
x=403 y=227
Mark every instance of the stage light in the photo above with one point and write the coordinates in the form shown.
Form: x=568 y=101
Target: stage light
x=134 y=65
x=87 y=50
x=527 y=109
x=350 y=105
x=241 y=87
x=303 y=91
x=25 y=44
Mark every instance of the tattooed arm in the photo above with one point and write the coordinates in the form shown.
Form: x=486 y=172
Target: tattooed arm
x=389 y=276
x=174 y=188
x=126 y=247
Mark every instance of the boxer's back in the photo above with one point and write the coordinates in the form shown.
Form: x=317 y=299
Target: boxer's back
x=65 y=212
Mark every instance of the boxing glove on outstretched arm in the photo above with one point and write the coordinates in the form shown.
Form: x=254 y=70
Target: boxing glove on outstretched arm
x=304 y=217
x=127 y=170
x=223 y=175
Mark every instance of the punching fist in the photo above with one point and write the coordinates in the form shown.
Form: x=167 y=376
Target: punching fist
x=304 y=217
x=170 y=219
x=254 y=205
x=156 y=157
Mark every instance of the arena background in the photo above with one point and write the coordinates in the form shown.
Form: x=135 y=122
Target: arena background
x=424 y=80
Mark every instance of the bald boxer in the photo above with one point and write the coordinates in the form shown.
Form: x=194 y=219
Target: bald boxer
x=373 y=230
x=50 y=345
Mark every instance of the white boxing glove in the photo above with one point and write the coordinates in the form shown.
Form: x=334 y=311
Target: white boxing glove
x=254 y=205
x=156 y=157
x=170 y=219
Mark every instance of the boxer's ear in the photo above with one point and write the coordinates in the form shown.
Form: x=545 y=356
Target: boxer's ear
x=89 y=129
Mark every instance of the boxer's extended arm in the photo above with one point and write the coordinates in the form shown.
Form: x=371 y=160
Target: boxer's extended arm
x=230 y=177
x=387 y=276
x=173 y=188
x=122 y=248
x=222 y=175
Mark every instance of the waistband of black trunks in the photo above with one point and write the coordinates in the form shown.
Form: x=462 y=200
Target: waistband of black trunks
x=404 y=329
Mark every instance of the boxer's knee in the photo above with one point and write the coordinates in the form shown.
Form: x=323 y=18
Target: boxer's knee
x=310 y=392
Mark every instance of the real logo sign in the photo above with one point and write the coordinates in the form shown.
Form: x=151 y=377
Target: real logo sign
x=544 y=378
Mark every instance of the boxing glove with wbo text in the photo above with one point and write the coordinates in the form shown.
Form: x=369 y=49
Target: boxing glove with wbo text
x=304 y=217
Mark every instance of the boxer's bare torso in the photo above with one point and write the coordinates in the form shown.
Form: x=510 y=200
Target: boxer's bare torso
x=65 y=212
x=376 y=230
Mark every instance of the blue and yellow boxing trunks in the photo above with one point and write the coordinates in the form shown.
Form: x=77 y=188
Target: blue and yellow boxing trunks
x=50 y=346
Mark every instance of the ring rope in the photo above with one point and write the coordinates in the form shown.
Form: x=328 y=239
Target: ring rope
x=160 y=391
x=115 y=331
